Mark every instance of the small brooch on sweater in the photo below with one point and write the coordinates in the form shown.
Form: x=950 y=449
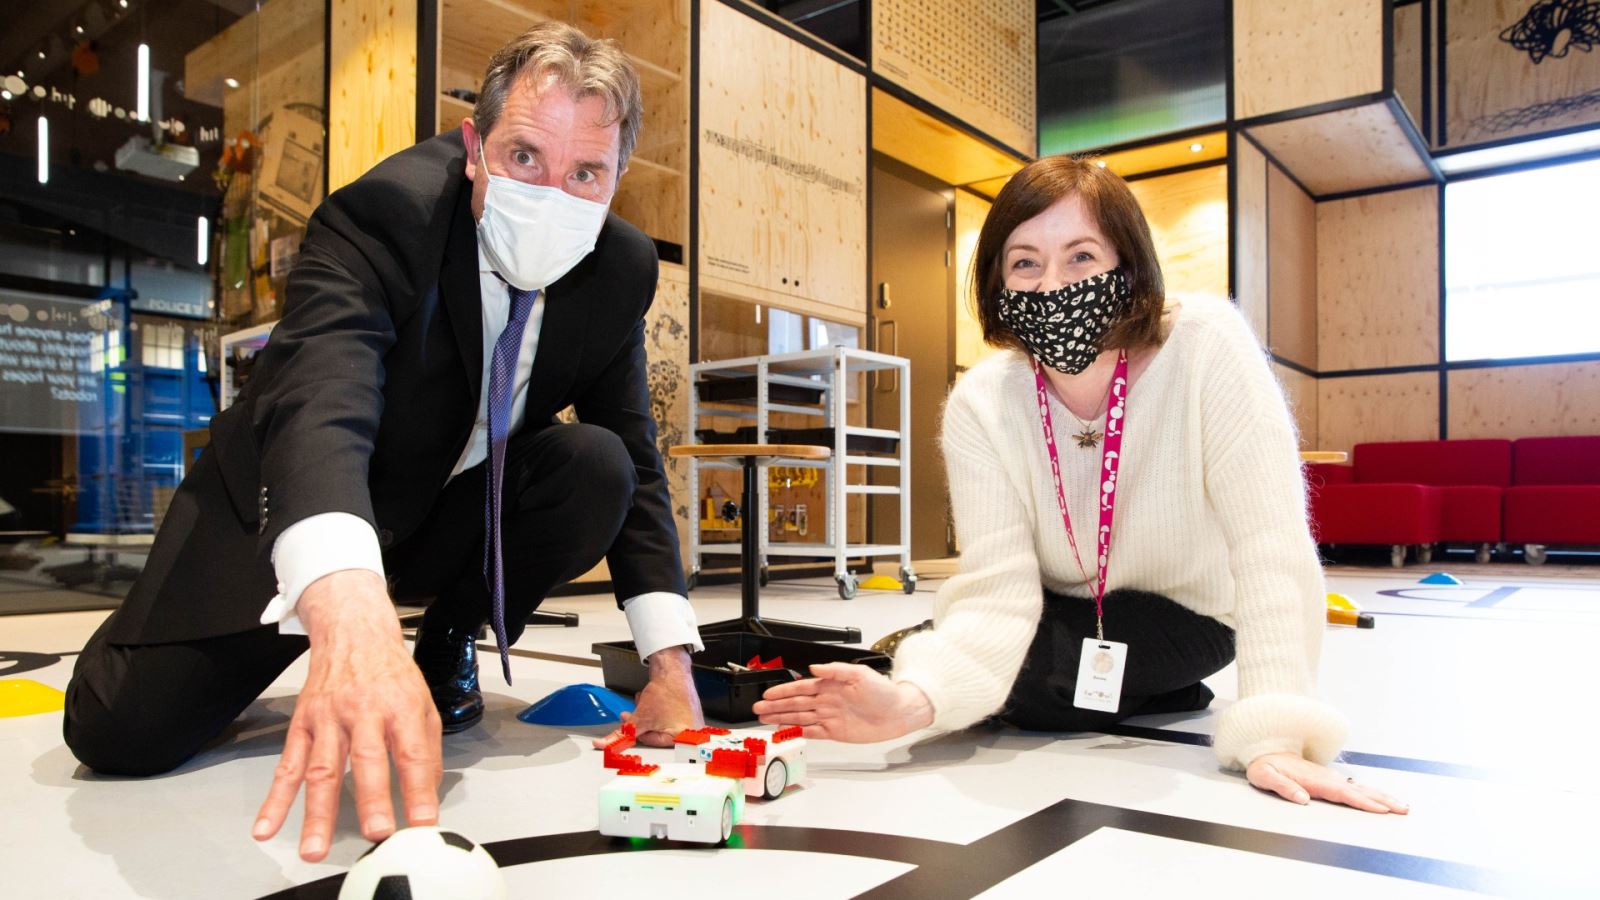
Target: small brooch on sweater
x=1088 y=437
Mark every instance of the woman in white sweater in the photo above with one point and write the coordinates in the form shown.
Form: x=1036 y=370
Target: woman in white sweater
x=1200 y=552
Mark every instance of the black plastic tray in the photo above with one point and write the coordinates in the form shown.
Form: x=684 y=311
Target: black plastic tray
x=853 y=443
x=743 y=389
x=726 y=695
x=745 y=435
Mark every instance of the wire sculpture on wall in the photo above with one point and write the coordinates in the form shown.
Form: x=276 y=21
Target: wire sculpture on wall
x=1552 y=27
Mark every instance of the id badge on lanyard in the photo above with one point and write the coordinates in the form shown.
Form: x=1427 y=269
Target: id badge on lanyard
x=1101 y=664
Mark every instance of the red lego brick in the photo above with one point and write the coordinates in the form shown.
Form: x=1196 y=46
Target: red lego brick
x=629 y=730
x=712 y=729
x=732 y=763
x=755 y=662
x=694 y=736
x=756 y=745
x=639 y=769
x=787 y=734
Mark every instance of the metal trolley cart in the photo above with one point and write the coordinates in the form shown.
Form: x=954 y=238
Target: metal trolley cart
x=809 y=383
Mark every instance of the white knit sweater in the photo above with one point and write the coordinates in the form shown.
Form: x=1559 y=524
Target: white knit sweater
x=1210 y=512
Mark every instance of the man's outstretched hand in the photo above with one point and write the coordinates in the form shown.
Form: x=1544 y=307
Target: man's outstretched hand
x=364 y=701
x=667 y=705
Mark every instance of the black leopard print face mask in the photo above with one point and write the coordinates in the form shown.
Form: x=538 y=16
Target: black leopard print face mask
x=1064 y=328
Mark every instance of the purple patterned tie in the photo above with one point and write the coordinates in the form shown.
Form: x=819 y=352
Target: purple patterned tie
x=502 y=379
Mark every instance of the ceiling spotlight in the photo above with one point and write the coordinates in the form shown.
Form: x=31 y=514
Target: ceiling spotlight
x=1196 y=147
x=41 y=54
x=123 y=3
x=78 y=29
x=1101 y=163
x=231 y=82
x=5 y=95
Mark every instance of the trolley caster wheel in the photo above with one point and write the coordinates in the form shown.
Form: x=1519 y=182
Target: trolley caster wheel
x=764 y=576
x=908 y=580
x=1424 y=553
x=847 y=586
x=1535 y=554
x=693 y=581
x=1397 y=555
x=1484 y=554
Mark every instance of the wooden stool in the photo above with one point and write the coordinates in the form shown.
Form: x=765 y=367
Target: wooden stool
x=751 y=456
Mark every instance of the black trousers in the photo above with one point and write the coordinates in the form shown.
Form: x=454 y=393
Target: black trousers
x=145 y=709
x=1170 y=648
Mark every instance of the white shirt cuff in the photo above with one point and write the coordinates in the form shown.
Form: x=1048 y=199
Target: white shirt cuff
x=660 y=620
x=311 y=548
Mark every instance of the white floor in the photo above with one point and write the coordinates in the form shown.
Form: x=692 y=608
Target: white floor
x=1469 y=702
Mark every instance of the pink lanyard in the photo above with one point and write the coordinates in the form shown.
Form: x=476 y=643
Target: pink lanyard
x=1111 y=457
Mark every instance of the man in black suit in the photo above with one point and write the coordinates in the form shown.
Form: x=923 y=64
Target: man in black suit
x=398 y=435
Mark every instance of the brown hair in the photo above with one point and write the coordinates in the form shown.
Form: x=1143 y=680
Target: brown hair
x=583 y=65
x=1111 y=205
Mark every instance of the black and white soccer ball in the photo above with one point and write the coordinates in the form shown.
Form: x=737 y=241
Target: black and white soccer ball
x=424 y=863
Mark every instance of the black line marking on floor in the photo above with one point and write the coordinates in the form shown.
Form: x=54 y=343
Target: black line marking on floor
x=1487 y=601
x=946 y=869
x=1353 y=757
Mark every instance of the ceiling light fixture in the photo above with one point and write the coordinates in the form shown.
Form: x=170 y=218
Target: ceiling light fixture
x=1196 y=147
x=231 y=82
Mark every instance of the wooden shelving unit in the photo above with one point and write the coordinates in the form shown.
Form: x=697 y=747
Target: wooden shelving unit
x=655 y=36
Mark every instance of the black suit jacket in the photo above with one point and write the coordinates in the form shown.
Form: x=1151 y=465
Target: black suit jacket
x=365 y=396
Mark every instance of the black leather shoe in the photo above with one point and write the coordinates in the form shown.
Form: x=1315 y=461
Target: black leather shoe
x=448 y=659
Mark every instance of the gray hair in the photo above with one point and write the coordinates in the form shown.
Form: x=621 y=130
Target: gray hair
x=583 y=65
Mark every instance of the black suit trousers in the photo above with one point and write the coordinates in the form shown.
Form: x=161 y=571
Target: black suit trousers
x=144 y=709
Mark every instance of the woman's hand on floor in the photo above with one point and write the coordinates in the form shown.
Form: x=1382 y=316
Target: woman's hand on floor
x=1300 y=780
x=847 y=702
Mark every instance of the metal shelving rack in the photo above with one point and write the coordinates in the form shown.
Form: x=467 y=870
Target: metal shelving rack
x=828 y=369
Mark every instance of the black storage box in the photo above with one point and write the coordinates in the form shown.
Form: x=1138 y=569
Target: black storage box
x=727 y=695
x=823 y=437
x=743 y=390
x=744 y=435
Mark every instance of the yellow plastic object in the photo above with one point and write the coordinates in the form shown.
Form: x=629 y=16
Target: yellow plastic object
x=882 y=583
x=26 y=697
x=1340 y=601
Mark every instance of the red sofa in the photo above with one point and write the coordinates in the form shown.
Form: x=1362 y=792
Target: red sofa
x=1413 y=493
x=1554 y=497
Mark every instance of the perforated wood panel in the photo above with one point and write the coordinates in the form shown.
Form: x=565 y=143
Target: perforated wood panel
x=1291 y=270
x=1377 y=408
x=1289 y=54
x=1300 y=390
x=1378 y=280
x=1513 y=70
x=1250 y=230
x=1408 y=38
x=1348 y=150
x=1525 y=401
x=1188 y=216
x=973 y=59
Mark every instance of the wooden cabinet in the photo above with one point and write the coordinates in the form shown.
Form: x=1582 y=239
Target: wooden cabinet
x=783 y=156
x=653 y=194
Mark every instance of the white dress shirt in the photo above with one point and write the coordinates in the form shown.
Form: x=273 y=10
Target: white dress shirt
x=330 y=542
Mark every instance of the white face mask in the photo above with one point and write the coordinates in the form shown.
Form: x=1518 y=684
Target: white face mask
x=532 y=234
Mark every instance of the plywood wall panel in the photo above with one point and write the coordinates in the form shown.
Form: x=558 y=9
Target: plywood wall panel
x=1525 y=401
x=1300 y=390
x=1188 y=216
x=783 y=149
x=1506 y=77
x=1250 y=231
x=1291 y=270
x=970 y=211
x=1293 y=53
x=1349 y=150
x=1401 y=407
x=372 y=84
x=934 y=146
x=975 y=60
x=1378 y=280
x=1408 y=42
